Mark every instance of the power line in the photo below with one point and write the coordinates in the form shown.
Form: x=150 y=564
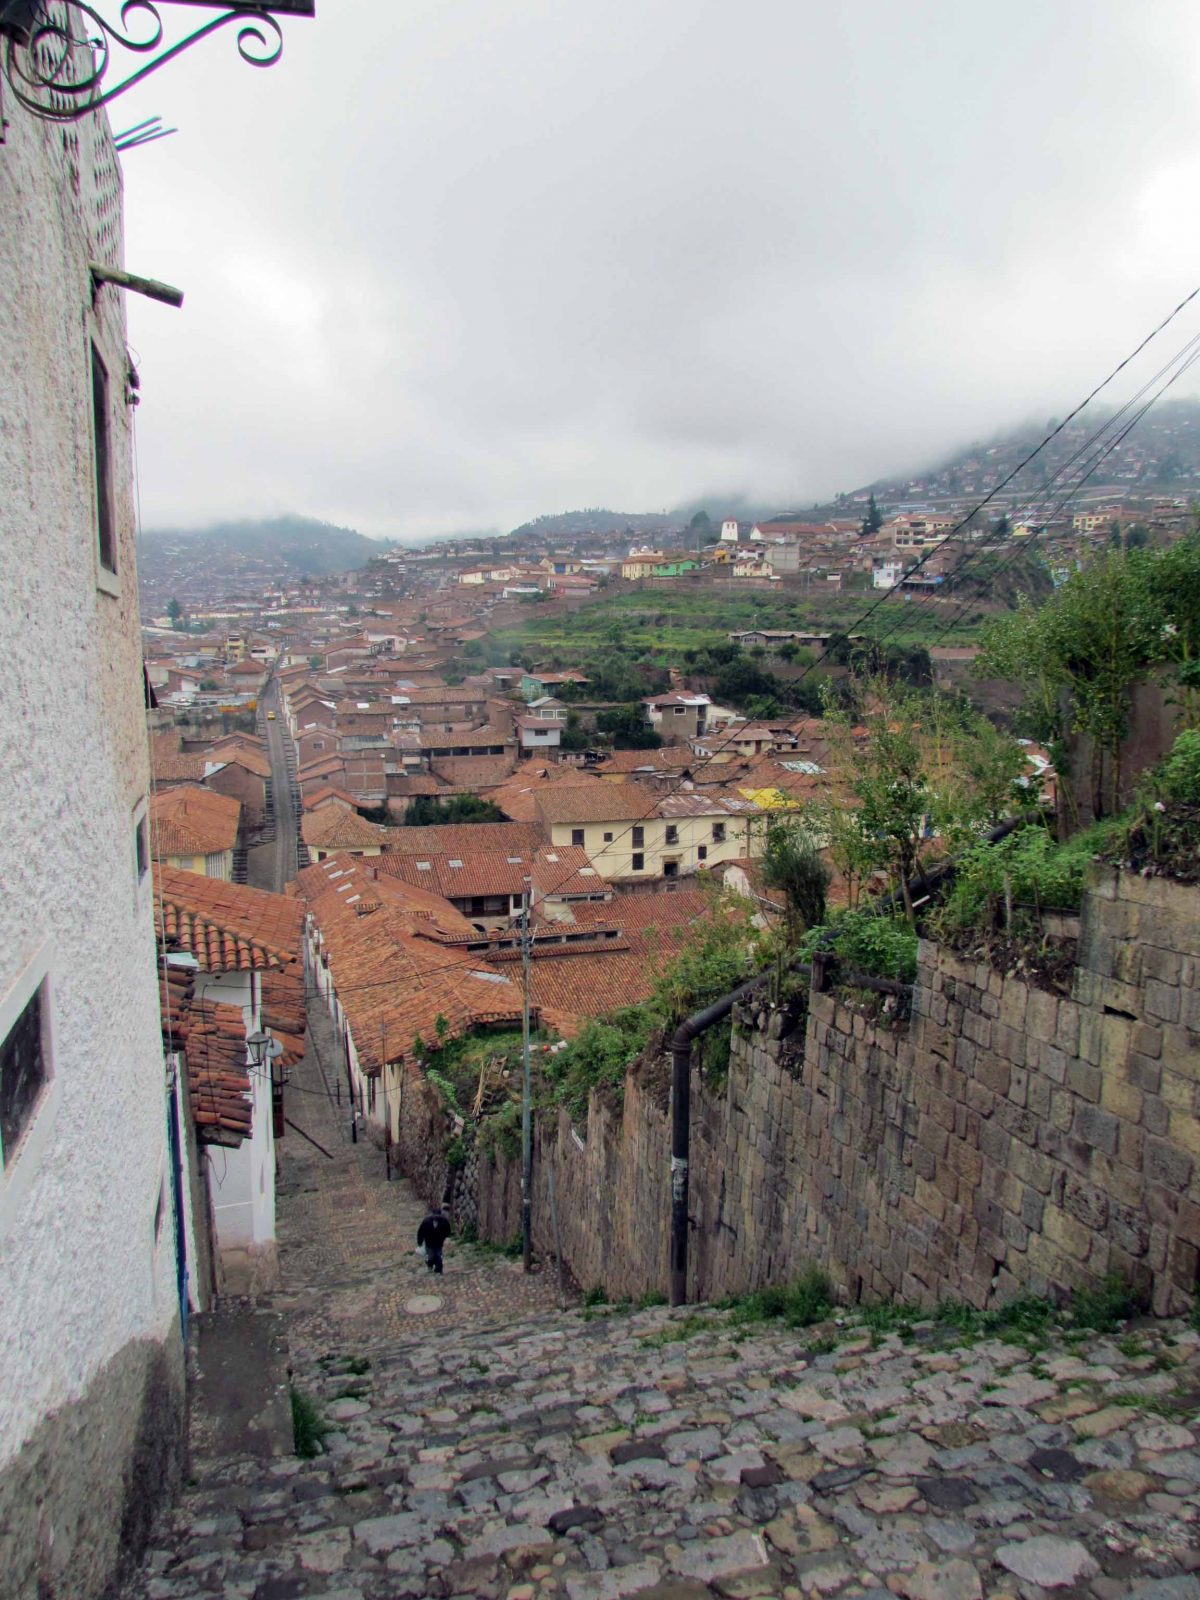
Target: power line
x=1186 y=355
x=927 y=555
x=1097 y=462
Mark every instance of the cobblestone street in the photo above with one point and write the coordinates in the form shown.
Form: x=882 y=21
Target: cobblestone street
x=475 y=1441
x=349 y=1268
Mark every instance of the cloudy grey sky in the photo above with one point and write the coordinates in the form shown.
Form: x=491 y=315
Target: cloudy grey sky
x=452 y=263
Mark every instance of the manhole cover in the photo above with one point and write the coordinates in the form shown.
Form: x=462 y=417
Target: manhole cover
x=422 y=1304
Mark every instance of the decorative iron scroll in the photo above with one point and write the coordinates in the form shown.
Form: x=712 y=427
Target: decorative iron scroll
x=58 y=65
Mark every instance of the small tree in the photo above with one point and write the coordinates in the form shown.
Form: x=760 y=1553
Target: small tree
x=175 y=612
x=1079 y=656
x=873 y=520
x=792 y=864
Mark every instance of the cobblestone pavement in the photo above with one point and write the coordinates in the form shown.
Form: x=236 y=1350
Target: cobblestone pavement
x=673 y=1455
x=347 y=1236
x=499 y=1447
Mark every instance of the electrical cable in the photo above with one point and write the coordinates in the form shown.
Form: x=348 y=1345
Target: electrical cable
x=1074 y=489
x=927 y=555
x=1043 y=494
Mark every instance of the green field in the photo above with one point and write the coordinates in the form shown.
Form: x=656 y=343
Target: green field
x=668 y=620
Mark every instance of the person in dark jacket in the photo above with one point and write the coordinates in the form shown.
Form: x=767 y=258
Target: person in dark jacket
x=433 y=1233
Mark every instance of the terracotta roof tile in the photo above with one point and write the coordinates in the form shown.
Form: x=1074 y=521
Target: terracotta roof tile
x=596 y=802
x=455 y=838
x=334 y=826
x=191 y=821
x=218 y=1076
x=226 y=926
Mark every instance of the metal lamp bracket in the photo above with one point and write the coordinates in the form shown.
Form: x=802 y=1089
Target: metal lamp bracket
x=58 y=53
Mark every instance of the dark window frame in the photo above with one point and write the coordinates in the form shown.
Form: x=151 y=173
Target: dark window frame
x=141 y=842
x=638 y=862
x=23 y=1082
x=106 y=522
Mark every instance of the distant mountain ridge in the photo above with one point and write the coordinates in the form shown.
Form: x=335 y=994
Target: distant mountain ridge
x=297 y=544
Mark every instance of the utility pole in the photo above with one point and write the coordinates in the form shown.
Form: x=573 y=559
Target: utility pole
x=526 y=1096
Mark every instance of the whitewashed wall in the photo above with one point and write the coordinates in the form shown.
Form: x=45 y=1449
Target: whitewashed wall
x=87 y=1291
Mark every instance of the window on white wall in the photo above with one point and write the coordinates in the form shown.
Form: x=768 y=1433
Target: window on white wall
x=141 y=841
x=24 y=1069
x=106 y=529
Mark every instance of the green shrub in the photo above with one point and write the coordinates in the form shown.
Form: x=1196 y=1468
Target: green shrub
x=881 y=945
x=500 y=1134
x=1165 y=828
x=799 y=1304
x=456 y=1153
x=1006 y=886
x=1179 y=772
x=598 y=1057
x=444 y=1087
x=1103 y=1310
x=309 y=1428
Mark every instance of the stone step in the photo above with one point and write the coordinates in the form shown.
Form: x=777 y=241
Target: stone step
x=677 y=1454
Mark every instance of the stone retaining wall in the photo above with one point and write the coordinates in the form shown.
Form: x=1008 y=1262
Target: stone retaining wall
x=1006 y=1140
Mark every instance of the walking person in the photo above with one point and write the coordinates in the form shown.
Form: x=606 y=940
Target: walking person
x=433 y=1233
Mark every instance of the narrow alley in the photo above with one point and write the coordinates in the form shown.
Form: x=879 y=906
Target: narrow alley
x=351 y=1277
x=370 y=1432
x=472 y=1440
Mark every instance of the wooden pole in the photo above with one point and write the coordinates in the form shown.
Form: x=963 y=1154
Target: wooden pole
x=526 y=1098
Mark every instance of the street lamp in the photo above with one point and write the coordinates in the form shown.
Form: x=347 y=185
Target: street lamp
x=265 y=1052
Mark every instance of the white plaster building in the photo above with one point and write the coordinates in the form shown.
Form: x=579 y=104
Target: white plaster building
x=91 y=1359
x=241 y=1179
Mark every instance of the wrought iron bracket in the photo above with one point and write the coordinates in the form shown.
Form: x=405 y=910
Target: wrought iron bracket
x=58 y=53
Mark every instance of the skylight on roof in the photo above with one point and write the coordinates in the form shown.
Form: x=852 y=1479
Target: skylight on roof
x=809 y=768
x=487 y=977
x=424 y=866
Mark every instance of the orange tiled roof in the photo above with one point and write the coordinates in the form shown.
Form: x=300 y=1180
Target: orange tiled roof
x=472 y=772
x=334 y=826
x=393 y=979
x=242 y=752
x=168 y=764
x=192 y=821
x=226 y=926
x=328 y=791
x=282 y=1009
x=218 y=1076
x=596 y=802
x=459 y=838
x=432 y=739
x=518 y=797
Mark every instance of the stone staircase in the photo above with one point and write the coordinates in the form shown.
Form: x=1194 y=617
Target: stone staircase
x=676 y=1454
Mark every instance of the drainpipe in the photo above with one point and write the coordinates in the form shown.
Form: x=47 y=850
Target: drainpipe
x=681 y=1065
x=681 y=1118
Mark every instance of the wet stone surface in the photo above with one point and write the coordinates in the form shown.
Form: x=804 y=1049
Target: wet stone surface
x=591 y=1457
x=500 y=1447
